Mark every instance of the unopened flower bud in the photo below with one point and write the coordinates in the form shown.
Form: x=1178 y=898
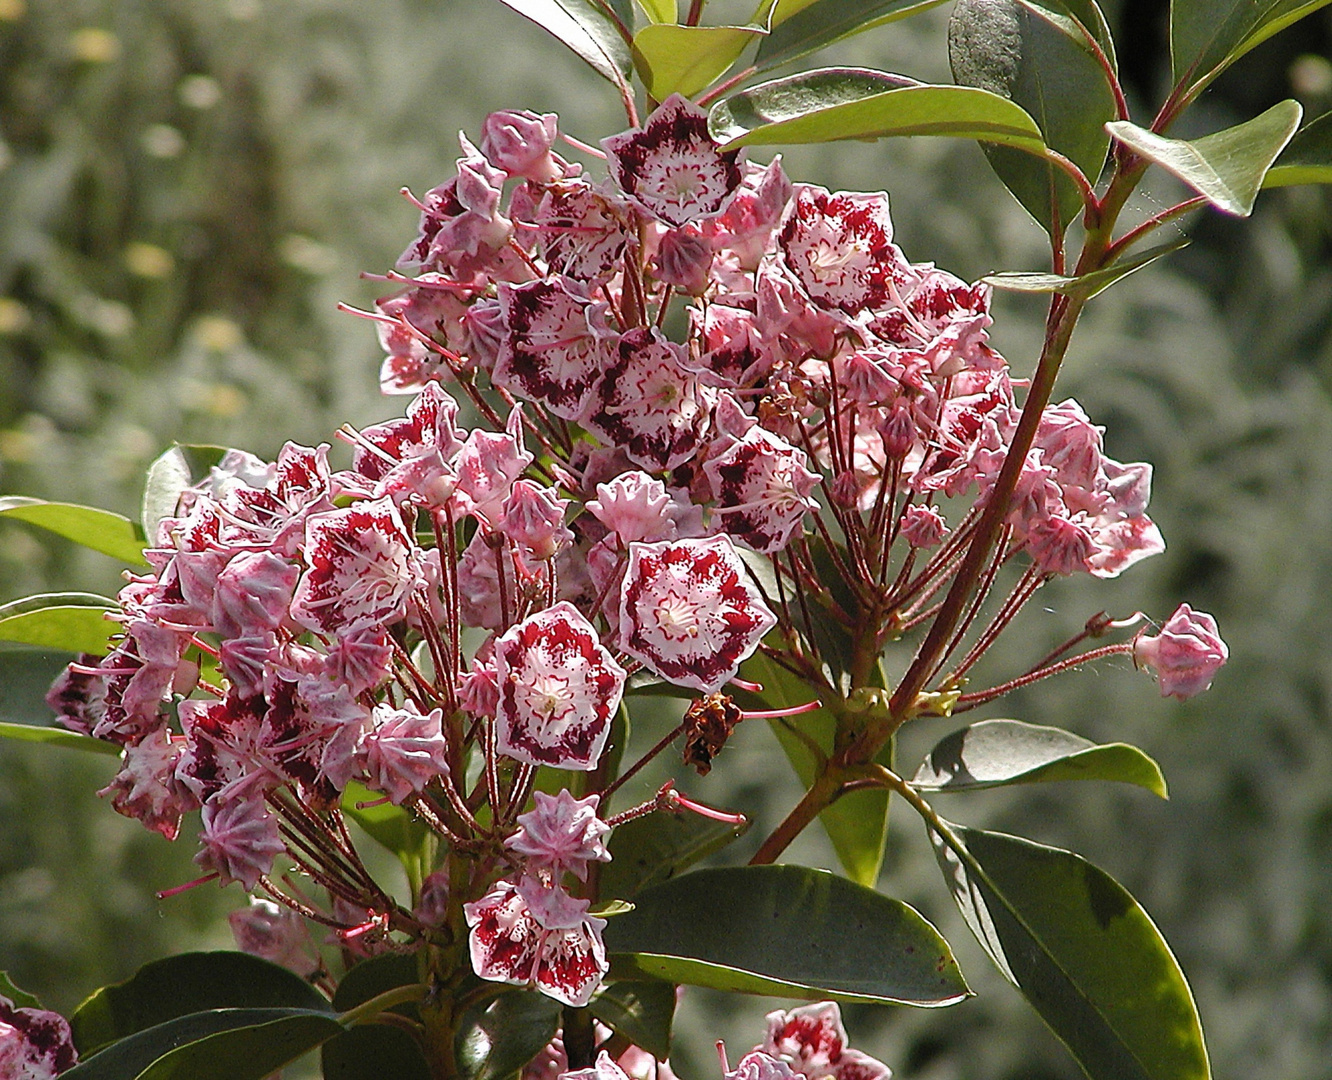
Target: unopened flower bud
x=519 y=143
x=1185 y=655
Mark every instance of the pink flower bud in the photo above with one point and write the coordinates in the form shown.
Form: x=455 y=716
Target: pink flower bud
x=519 y=143
x=923 y=526
x=274 y=933
x=683 y=260
x=1185 y=655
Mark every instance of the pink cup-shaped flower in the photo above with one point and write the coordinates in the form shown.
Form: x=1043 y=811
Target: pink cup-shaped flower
x=1185 y=655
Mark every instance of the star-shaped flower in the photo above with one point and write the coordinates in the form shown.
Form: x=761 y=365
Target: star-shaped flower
x=689 y=611
x=762 y=485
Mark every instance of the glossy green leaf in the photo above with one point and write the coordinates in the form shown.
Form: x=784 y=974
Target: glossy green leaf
x=585 y=28
x=1082 y=20
x=221 y=1044
x=686 y=59
x=20 y=998
x=181 y=985
x=494 y=1041
x=653 y=849
x=1207 y=36
x=776 y=12
x=1227 y=168
x=994 y=753
x=799 y=27
x=26 y=674
x=1046 y=67
x=1307 y=158
x=168 y=476
x=1081 y=950
x=641 y=1010
x=373 y=1051
x=53 y=736
x=395 y=827
x=68 y=628
x=789 y=931
x=1086 y=285
x=99 y=530
x=846 y=103
x=857 y=823
x=661 y=11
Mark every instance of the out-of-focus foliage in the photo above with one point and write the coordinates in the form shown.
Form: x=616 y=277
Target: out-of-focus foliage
x=187 y=188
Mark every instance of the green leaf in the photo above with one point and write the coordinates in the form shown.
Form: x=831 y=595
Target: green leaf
x=1207 y=36
x=1007 y=48
x=586 y=29
x=26 y=675
x=1226 y=168
x=100 y=530
x=186 y=984
x=396 y=828
x=374 y=1051
x=799 y=27
x=1307 y=158
x=1086 y=285
x=661 y=11
x=994 y=753
x=686 y=59
x=639 y=1009
x=653 y=849
x=71 y=629
x=53 y=736
x=847 y=103
x=221 y=1044
x=168 y=476
x=497 y=1039
x=857 y=823
x=789 y=931
x=20 y=998
x=1082 y=952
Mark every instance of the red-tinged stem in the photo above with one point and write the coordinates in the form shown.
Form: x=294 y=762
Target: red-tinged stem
x=712 y=95
x=982 y=697
x=633 y=769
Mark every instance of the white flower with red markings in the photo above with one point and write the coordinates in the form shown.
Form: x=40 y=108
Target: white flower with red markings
x=558 y=689
x=650 y=403
x=839 y=247
x=762 y=485
x=533 y=936
x=556 y=347
x=689 y=611
x=35 y=1044
x=363 y=567
x=812 y=1040
x=671 y=168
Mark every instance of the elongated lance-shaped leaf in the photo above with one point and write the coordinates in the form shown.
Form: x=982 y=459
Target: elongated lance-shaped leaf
x=1207 y=36
x=100 y=530
x=20 y=998
x=1041 y=61
x=1307 y=158
x=189 y=983
x=995 y=753
x=1086 y=285
x=642 y=1010
x=1082 y=952
x=585 y=28
x=686 y=59
x=373 y=1051
x=655 y=848
x=850 y=103
x=660 y=11
x=1226 y=168
x=801 y=27
x=857 y=823
x=500 y=1036
x=76 y=629
x=788 y=931
x=221 y=1044
x=54 y=736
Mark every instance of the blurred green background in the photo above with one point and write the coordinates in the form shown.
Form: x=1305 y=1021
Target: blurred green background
x=187 y=189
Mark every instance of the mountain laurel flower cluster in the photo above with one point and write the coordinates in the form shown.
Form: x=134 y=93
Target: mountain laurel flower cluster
x=677 y=426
